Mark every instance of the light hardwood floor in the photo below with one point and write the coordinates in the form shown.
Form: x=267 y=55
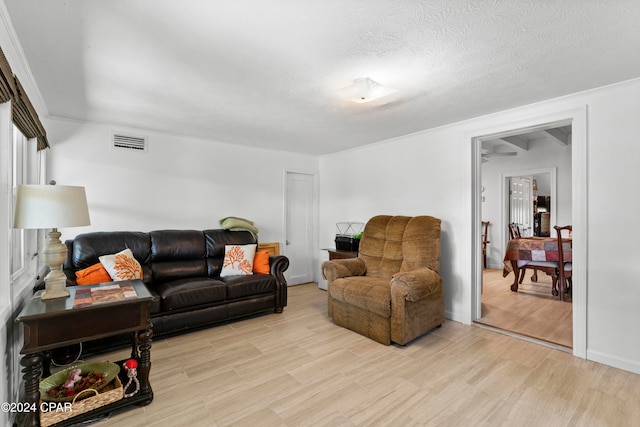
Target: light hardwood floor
x=532 y=311
x=299 y=369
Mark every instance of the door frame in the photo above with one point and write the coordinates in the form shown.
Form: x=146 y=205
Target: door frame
x=315 y=227
x=577 y=118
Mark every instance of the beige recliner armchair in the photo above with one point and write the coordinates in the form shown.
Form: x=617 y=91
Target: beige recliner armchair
x=392 y=291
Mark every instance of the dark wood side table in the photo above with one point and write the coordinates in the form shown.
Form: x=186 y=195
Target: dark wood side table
x=54 y=323
x=338 y=254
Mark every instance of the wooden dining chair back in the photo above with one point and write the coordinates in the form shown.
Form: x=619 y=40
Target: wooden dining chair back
x=485 y=242
x=564 y=268
x=514 y=231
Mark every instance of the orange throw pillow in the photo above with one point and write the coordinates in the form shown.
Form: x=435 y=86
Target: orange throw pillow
x=261 y=262
x=92 y=275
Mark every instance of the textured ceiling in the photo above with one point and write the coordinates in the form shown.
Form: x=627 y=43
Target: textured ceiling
x=270 y=73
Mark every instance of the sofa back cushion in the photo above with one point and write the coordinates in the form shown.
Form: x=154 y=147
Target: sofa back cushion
x=177 y=254
x=216 y=240
x=164 y=255
x=86 y=249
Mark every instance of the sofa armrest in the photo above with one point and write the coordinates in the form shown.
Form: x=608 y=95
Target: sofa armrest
x=416 y=284
x=278 y=264
x=337 y=268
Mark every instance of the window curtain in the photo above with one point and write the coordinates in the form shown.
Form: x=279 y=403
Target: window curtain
x=22 y=111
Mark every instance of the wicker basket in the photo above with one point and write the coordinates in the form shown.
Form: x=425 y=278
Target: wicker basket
x=110 y=393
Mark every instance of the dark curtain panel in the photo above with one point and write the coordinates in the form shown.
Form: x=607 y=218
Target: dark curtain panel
x=7 y=84
x=24 y=115
x=26 y=118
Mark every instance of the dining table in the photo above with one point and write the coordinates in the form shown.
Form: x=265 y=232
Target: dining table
x=524 y=250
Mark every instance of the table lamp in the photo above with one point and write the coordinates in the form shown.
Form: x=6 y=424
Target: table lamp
x=52 y=206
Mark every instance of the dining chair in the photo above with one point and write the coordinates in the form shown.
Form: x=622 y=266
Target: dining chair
x=564 y=268
x=548 y=267
x=485 y=241
x=514 y=233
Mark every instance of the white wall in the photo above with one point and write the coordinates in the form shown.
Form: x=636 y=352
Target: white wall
x=427 y=173
x=542 y=154
x=430 y=173
x=179 y=183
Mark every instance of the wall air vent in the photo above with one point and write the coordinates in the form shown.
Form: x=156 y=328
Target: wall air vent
x=129 y=142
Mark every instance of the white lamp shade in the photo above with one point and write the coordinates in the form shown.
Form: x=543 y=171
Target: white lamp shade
x=50 y=206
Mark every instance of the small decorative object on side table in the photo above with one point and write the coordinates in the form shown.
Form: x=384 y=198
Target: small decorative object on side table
x=49 y=324
x=348 y=236
x=130 y=366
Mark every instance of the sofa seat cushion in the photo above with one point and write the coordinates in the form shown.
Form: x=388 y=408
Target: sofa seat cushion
x=193 y=292
x=243 y=286
x=369 y=293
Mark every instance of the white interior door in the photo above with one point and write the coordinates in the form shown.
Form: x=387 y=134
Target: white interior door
x=299 y=227
x=521 y=204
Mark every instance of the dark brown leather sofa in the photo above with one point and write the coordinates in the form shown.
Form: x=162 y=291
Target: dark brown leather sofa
x=182 y=268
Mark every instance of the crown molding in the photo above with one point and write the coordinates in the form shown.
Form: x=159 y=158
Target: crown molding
x=19 y=65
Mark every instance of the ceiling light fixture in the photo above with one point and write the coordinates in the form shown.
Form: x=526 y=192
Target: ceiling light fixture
x=364 y=90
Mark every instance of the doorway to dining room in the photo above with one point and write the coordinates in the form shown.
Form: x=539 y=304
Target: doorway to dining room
x=542 y=156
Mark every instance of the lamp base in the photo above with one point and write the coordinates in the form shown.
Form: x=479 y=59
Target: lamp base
x=53 y=294
x=55 y=287
x=54 y=253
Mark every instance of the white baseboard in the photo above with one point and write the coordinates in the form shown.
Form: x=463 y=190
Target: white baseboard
x=616 y=362
x=449 y=315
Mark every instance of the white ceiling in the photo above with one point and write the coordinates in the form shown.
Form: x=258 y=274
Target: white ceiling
x=270 y=73
x=512 y=145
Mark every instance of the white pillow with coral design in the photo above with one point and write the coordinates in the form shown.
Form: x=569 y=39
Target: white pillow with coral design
x=122 y=266
x=238 y=260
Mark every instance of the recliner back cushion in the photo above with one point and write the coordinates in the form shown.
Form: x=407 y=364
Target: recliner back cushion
x=391 y=244
x=177 y=254
x=381 y=245
x=421 y=244
x=216 y=240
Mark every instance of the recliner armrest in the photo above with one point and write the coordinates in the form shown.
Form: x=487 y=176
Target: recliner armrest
x=416 y=284
x=337 y=268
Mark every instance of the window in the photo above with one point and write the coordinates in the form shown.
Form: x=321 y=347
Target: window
x=18 y=178
x=25 y=170
x=22 y=161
